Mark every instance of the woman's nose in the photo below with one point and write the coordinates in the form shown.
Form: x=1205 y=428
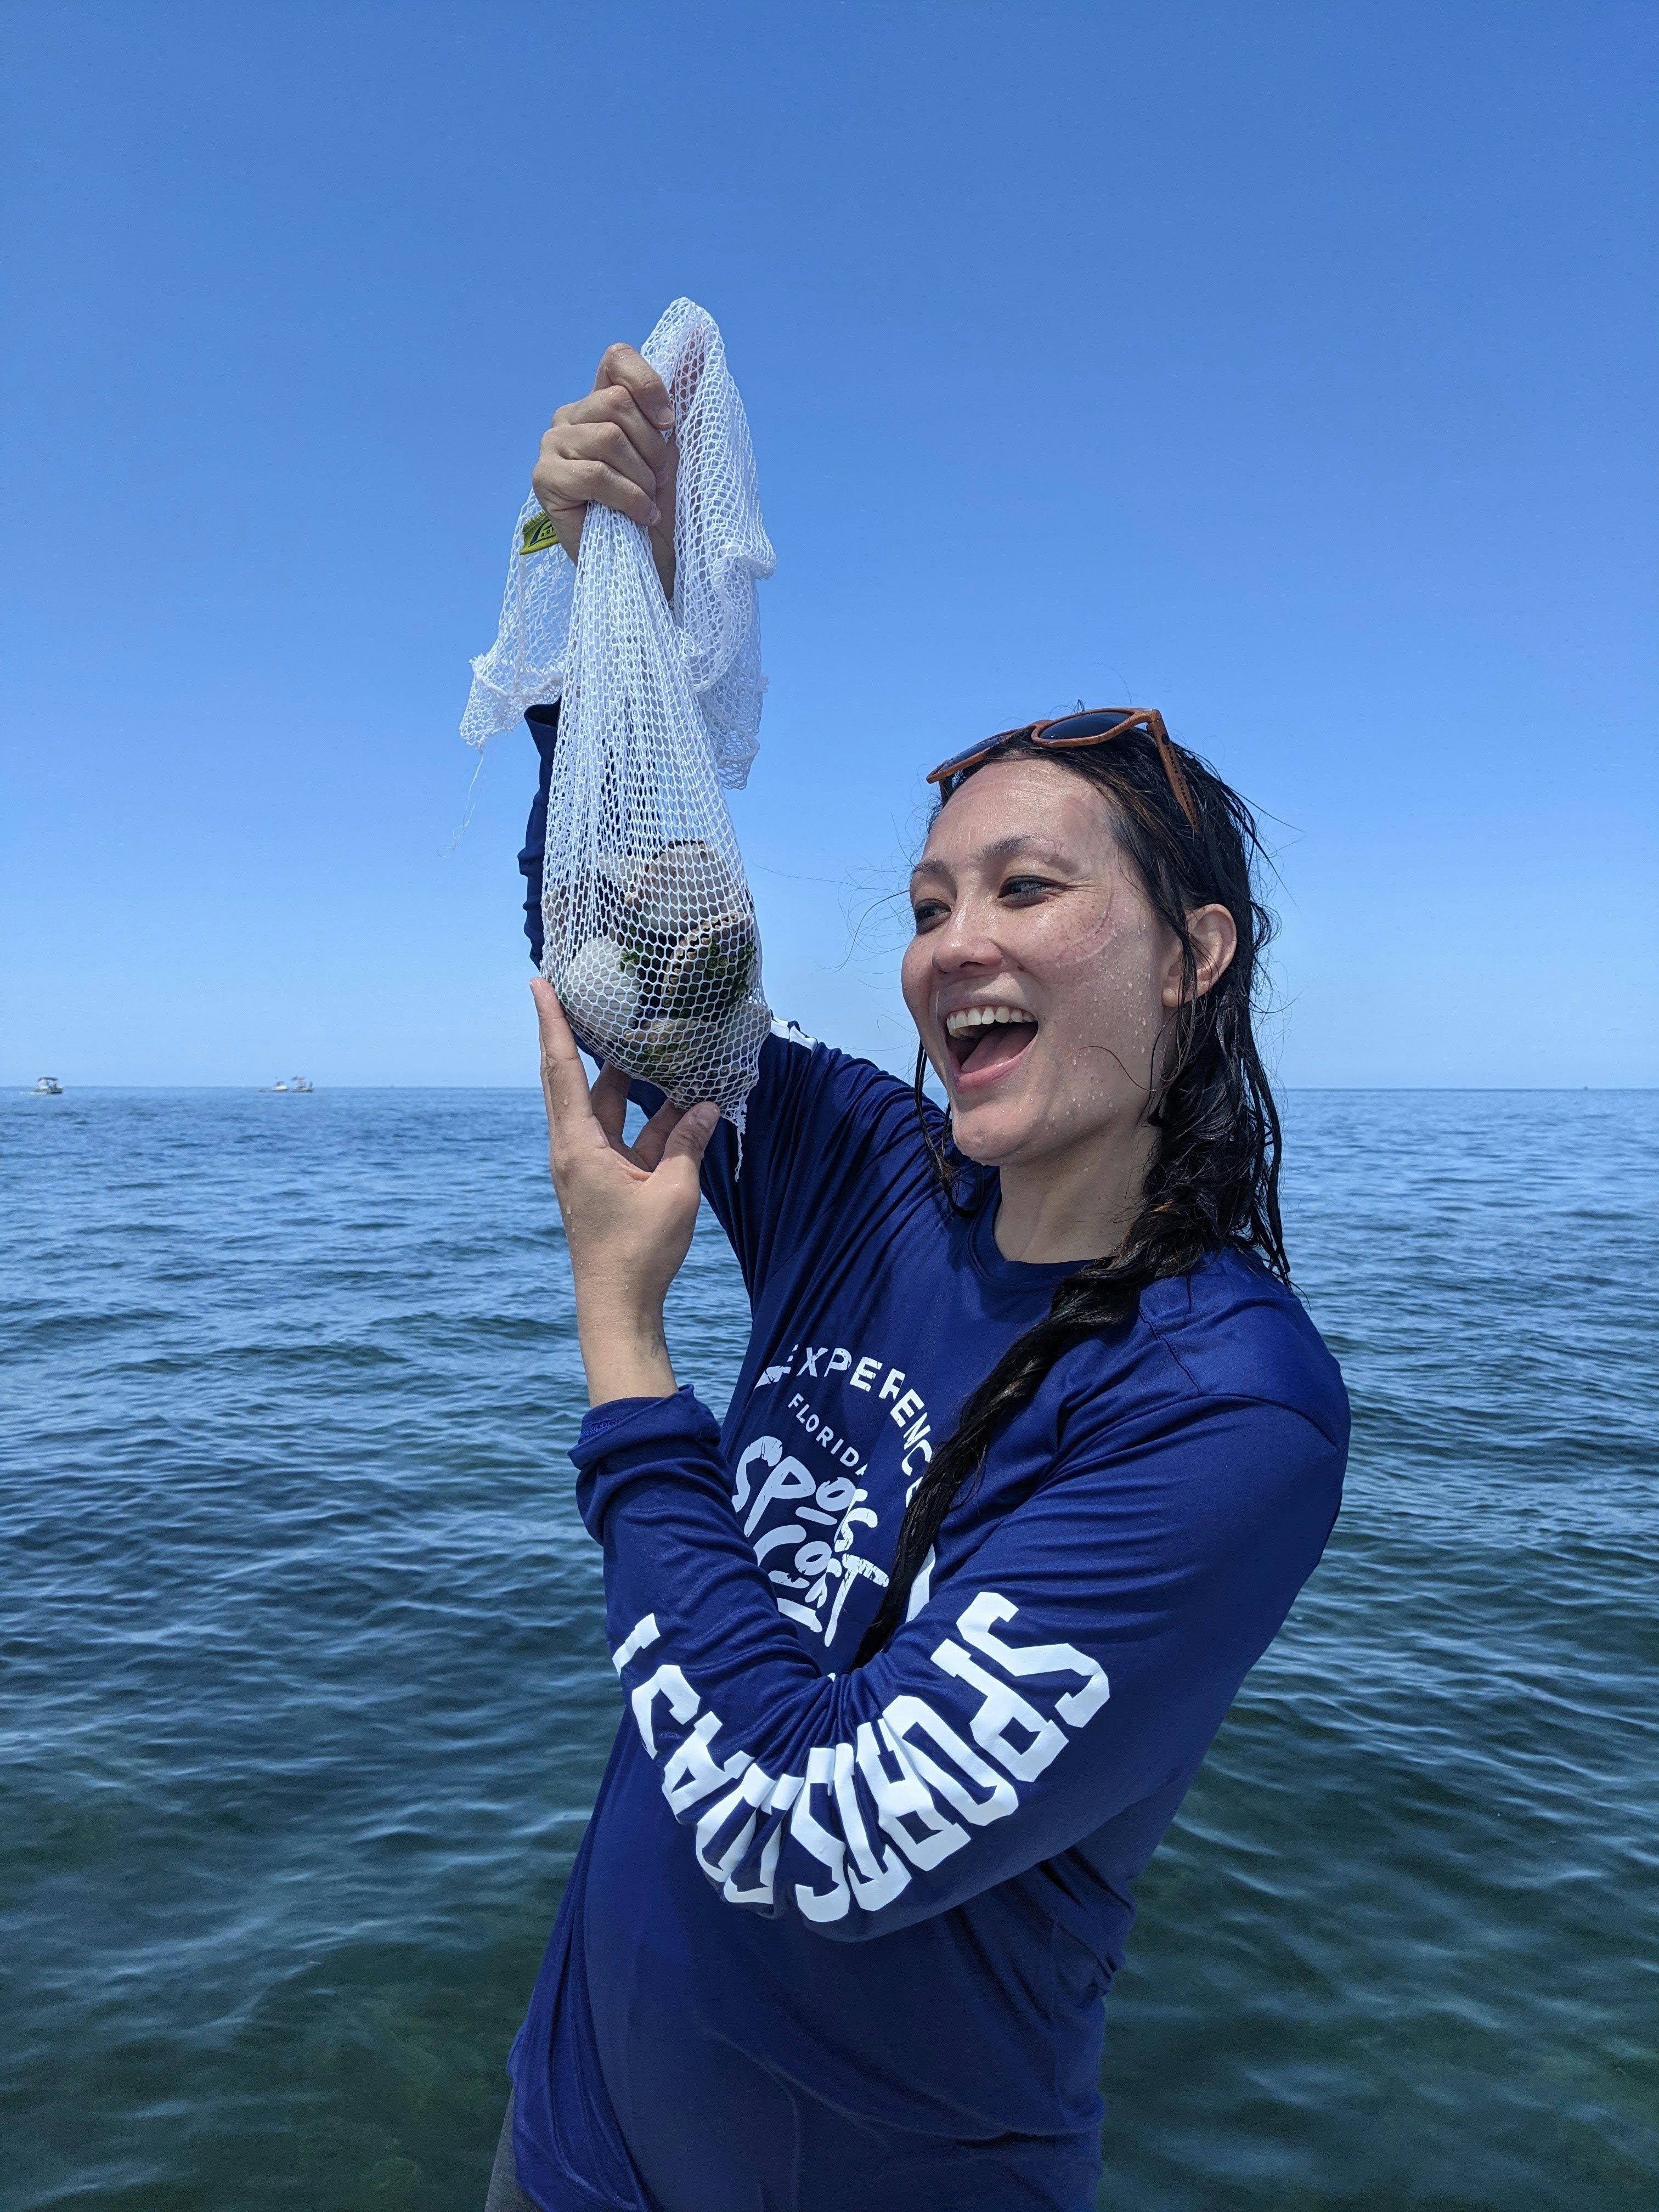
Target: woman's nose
x=962 y=943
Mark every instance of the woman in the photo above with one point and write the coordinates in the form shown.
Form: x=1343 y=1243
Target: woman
x=1030 y=1453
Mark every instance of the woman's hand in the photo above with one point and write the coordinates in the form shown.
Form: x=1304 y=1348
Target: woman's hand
x=628 y=1210
x=616 y=446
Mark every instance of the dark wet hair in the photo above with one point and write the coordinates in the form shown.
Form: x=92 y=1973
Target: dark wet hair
x=1213 y=1182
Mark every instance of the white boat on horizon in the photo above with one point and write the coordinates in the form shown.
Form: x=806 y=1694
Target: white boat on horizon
x=47 y=1086
x=296 y=1083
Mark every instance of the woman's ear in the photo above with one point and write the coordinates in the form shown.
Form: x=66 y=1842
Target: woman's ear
x=1214 y=935
x=1215 y=940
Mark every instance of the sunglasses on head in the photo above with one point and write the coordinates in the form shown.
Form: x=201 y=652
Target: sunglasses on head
x=1097 y=725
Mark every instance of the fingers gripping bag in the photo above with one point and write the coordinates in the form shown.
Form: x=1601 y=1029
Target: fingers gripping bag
x=649 y=935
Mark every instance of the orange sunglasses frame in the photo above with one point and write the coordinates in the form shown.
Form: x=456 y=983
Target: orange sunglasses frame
x=949 y=772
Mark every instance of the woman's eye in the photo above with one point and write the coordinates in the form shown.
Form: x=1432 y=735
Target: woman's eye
x=925 y=912
x=1027 y=887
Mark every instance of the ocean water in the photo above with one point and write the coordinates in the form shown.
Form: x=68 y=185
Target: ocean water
x=303 y=1697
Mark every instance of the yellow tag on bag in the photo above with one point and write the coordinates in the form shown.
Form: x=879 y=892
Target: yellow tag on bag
x=537 y=536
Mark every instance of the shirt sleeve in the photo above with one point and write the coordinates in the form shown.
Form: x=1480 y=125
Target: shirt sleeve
x=1079 y=1662
x=543 y=725
x=817 y=1119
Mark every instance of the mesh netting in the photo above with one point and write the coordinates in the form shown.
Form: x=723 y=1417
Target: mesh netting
x=648 y=927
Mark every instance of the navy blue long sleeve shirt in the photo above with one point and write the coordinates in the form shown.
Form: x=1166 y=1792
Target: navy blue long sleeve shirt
x=842 y=1935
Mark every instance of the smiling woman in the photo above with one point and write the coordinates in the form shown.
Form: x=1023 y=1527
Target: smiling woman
x=1031 y=1453
x=1047 y=929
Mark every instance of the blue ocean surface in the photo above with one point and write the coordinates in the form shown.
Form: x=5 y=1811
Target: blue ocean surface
x=304 y=1698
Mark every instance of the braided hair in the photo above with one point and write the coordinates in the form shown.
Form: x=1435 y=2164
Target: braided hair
x=1213 y=1181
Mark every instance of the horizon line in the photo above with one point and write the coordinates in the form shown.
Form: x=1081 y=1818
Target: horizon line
x=25 y=1089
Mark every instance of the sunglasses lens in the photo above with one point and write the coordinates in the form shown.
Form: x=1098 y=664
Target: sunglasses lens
x=947 y=771
x=1077 y=729
x=1071 y=730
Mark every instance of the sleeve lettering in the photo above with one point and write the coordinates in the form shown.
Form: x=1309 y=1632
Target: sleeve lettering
x=868 y=1816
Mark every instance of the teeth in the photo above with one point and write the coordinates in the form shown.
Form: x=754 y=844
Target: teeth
x=974 y=1017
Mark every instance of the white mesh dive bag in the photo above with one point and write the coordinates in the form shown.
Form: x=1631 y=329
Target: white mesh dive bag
x=649 y=934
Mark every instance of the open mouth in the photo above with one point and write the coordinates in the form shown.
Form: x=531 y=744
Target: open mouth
x=984 y=1041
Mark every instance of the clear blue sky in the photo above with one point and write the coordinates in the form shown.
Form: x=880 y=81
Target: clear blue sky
x=1289 y=366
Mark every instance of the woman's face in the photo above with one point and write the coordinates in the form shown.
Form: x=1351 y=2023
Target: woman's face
x=1039 y=978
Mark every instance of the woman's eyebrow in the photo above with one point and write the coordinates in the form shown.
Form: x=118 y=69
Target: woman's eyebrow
x=1011 y=849
x=1021 y=843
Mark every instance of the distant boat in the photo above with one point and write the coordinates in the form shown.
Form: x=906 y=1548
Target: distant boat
x=50 y=1087
x=294 y=1083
